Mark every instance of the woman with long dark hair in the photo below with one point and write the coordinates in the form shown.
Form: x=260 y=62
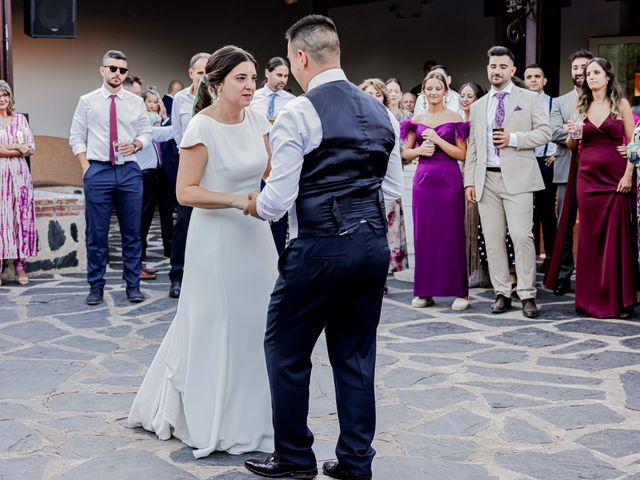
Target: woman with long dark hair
x=606 y=267
x=208 y=383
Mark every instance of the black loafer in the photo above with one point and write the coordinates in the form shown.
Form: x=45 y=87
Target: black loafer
x=95 y=296
x=134 y=295
x=335 y=470
x=501 y=305
x=274 y=467
x=562 y=287
x=174 y=290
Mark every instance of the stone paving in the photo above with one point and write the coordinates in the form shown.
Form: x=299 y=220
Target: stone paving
x=461 y=396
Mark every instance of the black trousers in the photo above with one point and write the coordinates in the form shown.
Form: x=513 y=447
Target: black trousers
x=336 y=284
x=179 y=242
x=544 y=210
x=157 y=193
x=567 y=264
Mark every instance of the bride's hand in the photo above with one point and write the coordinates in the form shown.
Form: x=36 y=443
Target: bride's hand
x=240 y=201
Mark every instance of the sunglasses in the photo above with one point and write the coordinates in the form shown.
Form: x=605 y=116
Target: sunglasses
x=114 y=69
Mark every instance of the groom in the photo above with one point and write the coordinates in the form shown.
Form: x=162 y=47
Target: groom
x=335 y=152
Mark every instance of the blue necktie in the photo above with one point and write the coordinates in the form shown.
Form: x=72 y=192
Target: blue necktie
x=271 y=111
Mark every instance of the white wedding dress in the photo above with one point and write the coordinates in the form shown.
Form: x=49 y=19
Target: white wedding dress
x=208 y=383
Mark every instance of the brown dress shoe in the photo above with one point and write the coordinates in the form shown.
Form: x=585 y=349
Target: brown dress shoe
x=335 y=470
x=501 y=305
x=529 y=308
x=144 y=275
x=148 y=269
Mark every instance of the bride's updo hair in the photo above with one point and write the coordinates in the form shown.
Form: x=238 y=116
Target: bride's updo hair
x=220 y=64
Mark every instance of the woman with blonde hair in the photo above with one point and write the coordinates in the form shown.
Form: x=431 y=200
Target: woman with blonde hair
x=17 y=204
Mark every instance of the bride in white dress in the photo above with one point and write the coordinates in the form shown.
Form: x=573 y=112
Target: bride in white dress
x=208 y=383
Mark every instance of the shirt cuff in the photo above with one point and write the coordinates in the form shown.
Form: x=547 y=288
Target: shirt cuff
x=513 y=140
x=79 y=148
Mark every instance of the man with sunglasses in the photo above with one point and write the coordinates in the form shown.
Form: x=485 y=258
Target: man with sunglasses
x=109 y=127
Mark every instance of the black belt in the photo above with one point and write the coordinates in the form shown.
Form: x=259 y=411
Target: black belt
x=493 y=169
x=107 y=162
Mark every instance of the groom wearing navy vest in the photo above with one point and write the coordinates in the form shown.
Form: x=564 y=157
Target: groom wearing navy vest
x=335 y=153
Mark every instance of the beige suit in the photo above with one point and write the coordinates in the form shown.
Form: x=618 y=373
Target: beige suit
x=505 y=198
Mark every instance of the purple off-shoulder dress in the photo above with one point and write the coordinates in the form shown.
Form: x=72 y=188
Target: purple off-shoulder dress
x=438 y=217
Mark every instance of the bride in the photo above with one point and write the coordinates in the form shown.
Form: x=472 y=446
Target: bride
x=208 y=383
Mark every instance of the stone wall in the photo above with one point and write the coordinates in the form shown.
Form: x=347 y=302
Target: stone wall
x=60 y=228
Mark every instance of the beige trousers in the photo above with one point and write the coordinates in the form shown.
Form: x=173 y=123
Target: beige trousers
x=499 y=209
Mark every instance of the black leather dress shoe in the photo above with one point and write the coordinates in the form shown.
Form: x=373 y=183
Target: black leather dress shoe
x=134 y=295
x=174 y=289
x=562 y=287
x=334 y=470
x=274 y=467
x=529 y=308
x=501 y=305
x=95 y=296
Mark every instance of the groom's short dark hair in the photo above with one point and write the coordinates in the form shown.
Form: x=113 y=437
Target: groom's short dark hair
x=316 y=35
x=499 y=51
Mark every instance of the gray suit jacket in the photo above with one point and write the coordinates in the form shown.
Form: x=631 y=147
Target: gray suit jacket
x=524 y=116
x=561 y=111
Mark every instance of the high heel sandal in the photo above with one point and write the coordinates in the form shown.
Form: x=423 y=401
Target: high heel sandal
x=24 y=280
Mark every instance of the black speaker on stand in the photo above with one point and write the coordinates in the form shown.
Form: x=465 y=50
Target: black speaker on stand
x=50 y=18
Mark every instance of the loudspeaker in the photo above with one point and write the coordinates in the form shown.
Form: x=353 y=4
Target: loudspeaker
x=50 y=18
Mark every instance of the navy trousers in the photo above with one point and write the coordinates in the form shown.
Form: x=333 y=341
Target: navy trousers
x=179 y=243
x=336 y=284
x=106 y=186
x=544 y=210
x=157 y=186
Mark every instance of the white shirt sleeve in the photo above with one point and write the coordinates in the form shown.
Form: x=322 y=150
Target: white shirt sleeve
x=142 y=126
x=161 y=133
x=296 y=132
x=393 y=183
x=79 y=129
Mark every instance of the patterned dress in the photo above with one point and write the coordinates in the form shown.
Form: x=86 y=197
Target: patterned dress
x=396 y=233
x=17 y=205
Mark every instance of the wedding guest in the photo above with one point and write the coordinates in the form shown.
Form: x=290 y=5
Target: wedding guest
x=17 y=205
x=377 y=89
x=169 y=149
x=437 y=138
x=180 y=116
x=452 y=100
x=396 y=231
x=501 y=174
x=408 y=101
x=269 y=101
x=133 y=84
x=156 y=185
x=110 y=126
x=544 y=201
x=476 y=262
x=561 y=267
x=607 y=257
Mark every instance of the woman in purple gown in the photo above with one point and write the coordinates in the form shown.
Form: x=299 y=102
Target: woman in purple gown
x=606 y=268
x=437 y=137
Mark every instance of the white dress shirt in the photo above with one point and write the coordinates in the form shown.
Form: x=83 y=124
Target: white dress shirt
x=181 y=112
x=493 y=160
x=90 y=125
x=262 y=98
x=148 y=156
x=550 y=148
x=296 y=132
x=451 y=102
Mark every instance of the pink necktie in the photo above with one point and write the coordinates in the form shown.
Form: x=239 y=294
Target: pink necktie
x=113 y=130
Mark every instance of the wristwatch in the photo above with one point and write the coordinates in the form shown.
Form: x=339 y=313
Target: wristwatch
x=136 y=148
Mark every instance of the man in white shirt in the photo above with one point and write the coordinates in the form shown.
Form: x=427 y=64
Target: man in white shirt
x=110 y=125
x=269 y=100
x=451 y=101
x=335 y=153
x=181 y=114
x=544 y=201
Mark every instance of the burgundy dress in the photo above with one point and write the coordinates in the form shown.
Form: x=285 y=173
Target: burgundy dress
x=438 y=217
x=606 y=259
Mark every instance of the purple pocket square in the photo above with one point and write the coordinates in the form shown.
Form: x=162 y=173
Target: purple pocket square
x=517 y=109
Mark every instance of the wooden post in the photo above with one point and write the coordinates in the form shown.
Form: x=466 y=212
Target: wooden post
x=6 y=51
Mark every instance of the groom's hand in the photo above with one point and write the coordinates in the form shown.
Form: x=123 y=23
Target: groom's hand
x=251 y=207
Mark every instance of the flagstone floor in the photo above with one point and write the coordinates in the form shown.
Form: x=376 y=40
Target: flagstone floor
x=461 y=396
